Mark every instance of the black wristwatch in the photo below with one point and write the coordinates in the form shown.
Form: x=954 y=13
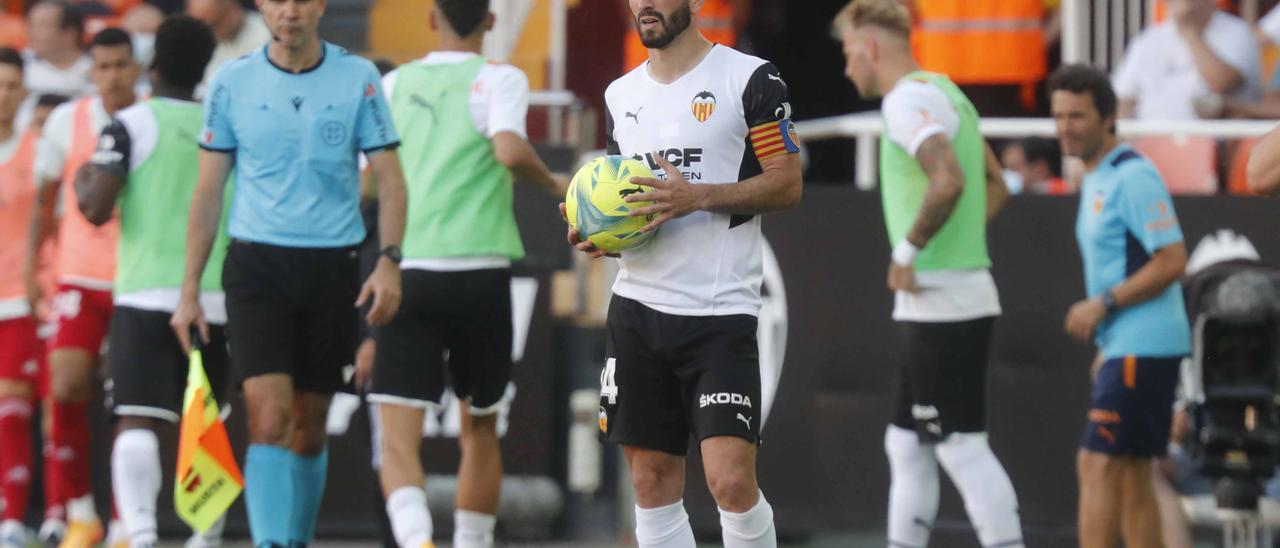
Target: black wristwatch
x=392 y=252
x=1109 y=302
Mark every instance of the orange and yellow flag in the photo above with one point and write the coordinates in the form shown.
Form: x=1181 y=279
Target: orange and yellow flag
x=208 y=478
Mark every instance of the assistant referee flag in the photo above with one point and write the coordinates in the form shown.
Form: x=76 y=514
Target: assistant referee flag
x=208 y=479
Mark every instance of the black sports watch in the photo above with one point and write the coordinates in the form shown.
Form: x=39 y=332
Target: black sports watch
x=392 y=252
x=1109 y=302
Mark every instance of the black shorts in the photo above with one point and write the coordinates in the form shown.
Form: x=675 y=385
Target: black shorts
x=292 y=310
x=459 y=318
x=669 y=376
x=147 y=369
x=942 y=377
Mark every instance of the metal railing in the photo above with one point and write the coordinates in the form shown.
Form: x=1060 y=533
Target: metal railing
x=865 y=129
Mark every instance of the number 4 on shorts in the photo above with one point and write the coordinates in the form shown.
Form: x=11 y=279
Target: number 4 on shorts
x=608 y=387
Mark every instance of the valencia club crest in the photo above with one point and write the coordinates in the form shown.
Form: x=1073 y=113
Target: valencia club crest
x=704 y=104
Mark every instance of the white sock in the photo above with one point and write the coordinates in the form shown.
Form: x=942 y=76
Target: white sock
x=664 y=527
x=472 y=529
x=135 y=479
x=913 y=488
x=750 y=529
x=410 y=520
x=985 y=487
x=82 y=509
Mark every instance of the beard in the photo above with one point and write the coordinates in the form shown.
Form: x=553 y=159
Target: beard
x=680 y=20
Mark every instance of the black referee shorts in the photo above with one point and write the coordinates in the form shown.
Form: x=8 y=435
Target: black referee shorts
x=291 y=310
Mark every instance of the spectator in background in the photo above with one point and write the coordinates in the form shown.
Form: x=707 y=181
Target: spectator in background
x=45 y=105
x=1198 y=51
x=239 y=31
x=1033 y=165
x=55 y=60
x=1221 y=106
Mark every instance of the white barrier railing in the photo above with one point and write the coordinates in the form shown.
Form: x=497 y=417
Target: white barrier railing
x=865 y=128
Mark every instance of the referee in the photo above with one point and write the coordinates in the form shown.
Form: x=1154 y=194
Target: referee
x=291 y=119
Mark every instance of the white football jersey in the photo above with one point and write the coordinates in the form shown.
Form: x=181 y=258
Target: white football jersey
x=715 y=124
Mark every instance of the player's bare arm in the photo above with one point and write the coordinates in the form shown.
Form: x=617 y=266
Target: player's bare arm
x=518 y=156
x=99 y=181
x=778 y=187
x=1167 y=265
x=997 y=190
x=1264 y=165
x=40 y=228
x=202 y=227
x=96 y=192
x=383 y=286
x=946 y=183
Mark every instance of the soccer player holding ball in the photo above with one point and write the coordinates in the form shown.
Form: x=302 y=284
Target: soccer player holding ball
x=682 y=357
x=941 y=185
x=462 y=121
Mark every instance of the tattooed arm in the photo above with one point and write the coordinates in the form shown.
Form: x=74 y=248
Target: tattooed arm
x=946 y=183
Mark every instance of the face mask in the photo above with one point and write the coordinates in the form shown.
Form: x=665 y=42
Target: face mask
x=1013 y=180
x=144 y=48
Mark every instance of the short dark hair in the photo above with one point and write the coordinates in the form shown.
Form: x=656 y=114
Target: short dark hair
x=1035 y=149
x=464 y=16
x=184 y=46
x=1080 y=78
x=111 y=37
x=10 y=56
x=51 y=100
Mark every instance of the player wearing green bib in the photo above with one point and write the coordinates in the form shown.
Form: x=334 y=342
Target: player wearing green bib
x=940 y=184
x=146 y=164
x=462 y=126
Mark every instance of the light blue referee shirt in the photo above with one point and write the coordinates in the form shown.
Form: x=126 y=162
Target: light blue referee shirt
x=296 y=139
x=1125 y=215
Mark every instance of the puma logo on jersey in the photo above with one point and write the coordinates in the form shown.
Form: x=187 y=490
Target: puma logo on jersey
x=745 y=420
x=635 y=115
x=779 y=79
x=724 y=398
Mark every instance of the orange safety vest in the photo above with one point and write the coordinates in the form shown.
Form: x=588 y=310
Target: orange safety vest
x=86 y=253
x=981 y=41
x=17 y=197
x=715 y=21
